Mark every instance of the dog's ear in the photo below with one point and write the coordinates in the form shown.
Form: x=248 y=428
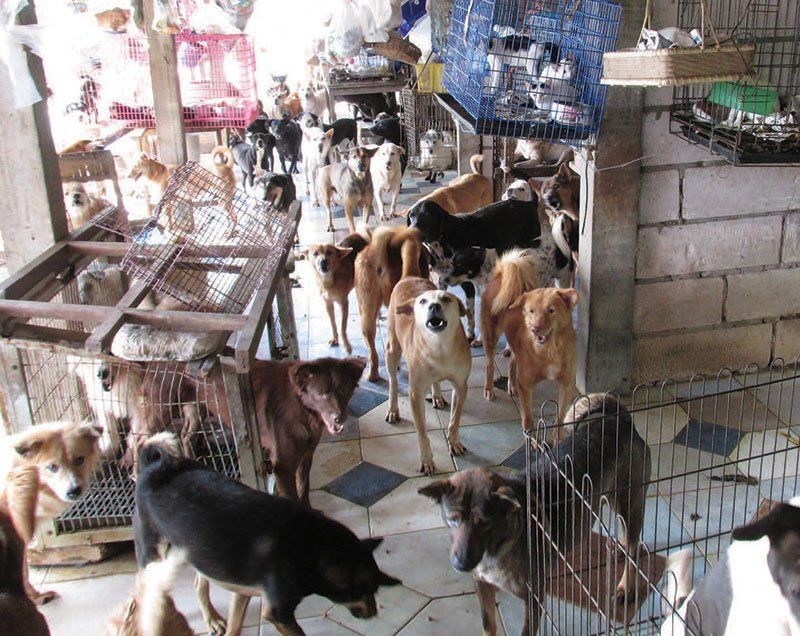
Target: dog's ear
x=354 y=367
x=301 y=374
x=564 y=171
x=90 y=430
x=329 y=134
x=506 y=500
x=462 y=310
x=569 y=296
x=437 y=490
x=405 y=309
x=535 y=185
x=25 y=448
x=776 y=522
x=372 y=543
x=343 y=251
x=385 y=579
x=370 y=150
x=518 y=302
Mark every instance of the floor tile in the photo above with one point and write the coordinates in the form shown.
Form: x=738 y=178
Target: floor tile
x=516 y=460
x=655 y=423
x=478 y=410
x=400 y=453
x=780 y=393
x=349 y=432
x=780 y=489
x=365 y=484
x=489 y=444
x=374 y=424
x=709 y=437
x=768 y=454
x=396 y=606
x=332 y=460
x=404 y=510
x=511 y=611
x=454 y=615
x=738 y=410
x=312 y=606
x=364 y=400
x=676 y=468
x=320 y=626
x=352 y=515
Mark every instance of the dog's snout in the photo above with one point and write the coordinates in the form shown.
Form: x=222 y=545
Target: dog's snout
x=339 y=418
x=323 y=265
x=74 y=492
x=76 y=197
x=434 y=308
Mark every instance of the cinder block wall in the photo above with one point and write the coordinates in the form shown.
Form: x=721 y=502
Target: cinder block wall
x=717 y=258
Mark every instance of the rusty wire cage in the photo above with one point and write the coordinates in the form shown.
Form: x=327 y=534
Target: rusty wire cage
x=422 y=112
x=754 y=120
x=721 y=450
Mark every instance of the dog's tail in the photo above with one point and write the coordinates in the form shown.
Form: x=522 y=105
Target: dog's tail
x=476 y=163
x=387 y=241
x=357 y=242
x=679 y=579
x=596 y=405
x=158 y=448
x=222 y=156
x=157 y=607
x=518 y=274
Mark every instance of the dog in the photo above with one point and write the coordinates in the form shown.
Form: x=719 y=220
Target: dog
x=316 y=149
x=519 y=190
x=284 y=552
x=288 y=139
x=295 y=402
x=248 y=157
x=18 y=613
x=65 y=456
x=150 y=610
x=392 y=253
x=560 y=193
x=157 y=175
x=114 y=20
x=313 y=101
x=343 y=128
x=223 y=159
x=387 y=176
x=82 y=207
x=334 y=272
x=425 y=324
x=465 y=193
x=278 y=190
x=752 y=589
x=486 y=510
x=434 y=155
x=531 y=153
x=261 y=128
x=352 y=181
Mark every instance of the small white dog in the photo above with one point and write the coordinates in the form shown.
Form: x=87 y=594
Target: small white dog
x=81 y=206
x=387 y=176
x=313 y=101
x=316 y=147
x=518 y=190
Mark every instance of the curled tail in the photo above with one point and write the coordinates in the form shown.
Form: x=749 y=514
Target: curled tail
x=518 y=274
x=476 y=163
x=222 y=156
x=158 y=612
x=159 y=448
x=357 y=242
x=388 y=241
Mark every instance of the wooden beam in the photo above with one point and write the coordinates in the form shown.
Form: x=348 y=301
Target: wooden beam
x=167 y=104
x=33 y=215
x=105 y=248
x=101 y=337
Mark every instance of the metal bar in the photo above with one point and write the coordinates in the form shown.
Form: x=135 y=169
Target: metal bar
x=100 y=248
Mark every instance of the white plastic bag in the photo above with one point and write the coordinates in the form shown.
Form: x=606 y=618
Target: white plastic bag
x=12 y=54
x=378 y=17
x=345 y=36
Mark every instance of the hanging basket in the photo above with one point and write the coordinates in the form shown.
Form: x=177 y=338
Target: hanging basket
x=721 y=62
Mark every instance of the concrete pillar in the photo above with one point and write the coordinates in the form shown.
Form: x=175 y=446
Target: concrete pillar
x=467 y=145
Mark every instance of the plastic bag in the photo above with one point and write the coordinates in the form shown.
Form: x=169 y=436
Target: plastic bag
x=345 y=35
x=378 y=17
x=12 y=54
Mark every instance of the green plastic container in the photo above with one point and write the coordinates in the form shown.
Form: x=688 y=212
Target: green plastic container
x=750 y=98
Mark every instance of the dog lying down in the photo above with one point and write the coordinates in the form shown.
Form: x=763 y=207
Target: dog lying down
x=753 y=589
x=243 y=538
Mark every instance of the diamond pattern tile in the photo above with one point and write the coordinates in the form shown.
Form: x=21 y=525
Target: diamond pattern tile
x=711 y=438
x=365 y=484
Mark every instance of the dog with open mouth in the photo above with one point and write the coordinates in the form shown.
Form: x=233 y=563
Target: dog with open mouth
x=425 y=324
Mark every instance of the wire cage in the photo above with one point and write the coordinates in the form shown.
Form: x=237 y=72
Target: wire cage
x=422 y=112
x=216 y=75
x=754 y=120
x=675 y=467
x=530 y=68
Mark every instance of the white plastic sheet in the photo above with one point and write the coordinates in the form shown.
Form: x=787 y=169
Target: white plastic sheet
x=357 y=21
x=12 y=54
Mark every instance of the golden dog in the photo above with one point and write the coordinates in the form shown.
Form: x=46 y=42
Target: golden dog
x=466 y=193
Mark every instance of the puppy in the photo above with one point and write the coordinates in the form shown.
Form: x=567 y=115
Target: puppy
x=18 y=613
x=752 y=589
x=247 y=157
x=392 y=253
x=150 y=611
x=485 y=509
x=82 y=207
x=387 y=176
x=352 y=181
x=261 y=128
x=283 y=552
x=64 y=456
x=518 y=190
x=334 y=272
x=288 y=139
x=277 y=190
x=155 y=173
x=425 y=323
x=434 y=155
x=541 y=336
x=530 y=153
x=560 y=193
x=517 y=272
x=316 y=148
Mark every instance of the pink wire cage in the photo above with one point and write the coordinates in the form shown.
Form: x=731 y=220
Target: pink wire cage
x=216 y=74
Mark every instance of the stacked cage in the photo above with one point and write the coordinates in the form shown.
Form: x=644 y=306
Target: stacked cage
x=422 y=112
x=628 y=487
x=754 y=120
x=530 y=69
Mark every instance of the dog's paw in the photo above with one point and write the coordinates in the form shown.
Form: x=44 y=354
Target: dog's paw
x=43 y=598
x=386 y=217
x=216 y=624
x=392 y=416
x=333 y=342
x=427 y=467
x=347 y=348
x=315 y=204
x=457 y=448
x=488 y=393
x=476 y=343
x=374 y=377
x=330 y=228
x=439 y=403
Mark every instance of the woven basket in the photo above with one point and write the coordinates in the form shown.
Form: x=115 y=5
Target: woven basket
x=678 y=66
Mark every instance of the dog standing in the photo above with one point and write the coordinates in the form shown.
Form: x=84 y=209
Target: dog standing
x=222 y=156
x=81 y=206
x=316 y=148
x=288 y=139
x=425 y=324
x=352 y=181
x=334 y=273
x=313 y=101
x=157 y=175
x=486 y=510
x=387 y=176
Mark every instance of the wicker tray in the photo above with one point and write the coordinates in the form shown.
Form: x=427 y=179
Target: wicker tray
x=678 y=66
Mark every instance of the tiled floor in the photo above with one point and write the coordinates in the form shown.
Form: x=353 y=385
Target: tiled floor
x=368 y=478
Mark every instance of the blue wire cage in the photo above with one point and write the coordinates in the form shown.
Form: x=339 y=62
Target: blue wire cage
x=530 y=68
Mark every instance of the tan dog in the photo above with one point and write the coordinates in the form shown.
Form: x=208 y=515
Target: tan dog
x=223 y=167
x=425 y=323
x=560 y=193
x=65 y=456
x=352 y=181
x=466 y=193
x=334 y=273
x=115 y=20
x=155 y=173
x=393 y=253
x=540 y=332
x=81 y=206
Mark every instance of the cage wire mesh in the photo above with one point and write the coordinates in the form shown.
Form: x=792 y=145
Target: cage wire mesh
x=209 y=246
x=531 y=68
x=712 y=454
x=753 y=120
x=422 y=112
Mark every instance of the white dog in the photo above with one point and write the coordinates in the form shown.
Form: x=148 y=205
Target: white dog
x=387 y=176
x=313 y=101
x=316 y=146
x=519 y=190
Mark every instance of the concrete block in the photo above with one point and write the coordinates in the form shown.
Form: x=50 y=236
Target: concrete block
x=659 y=199
x=787 y=340
x=791 y=239
x=662 y=147
x=678 y=304
x=763 y=294
x=658 y=96
x=682 y=355
x=704 y=247
x=728 y=191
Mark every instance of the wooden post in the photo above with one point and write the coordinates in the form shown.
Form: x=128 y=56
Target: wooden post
x=32 y=213
x=167 y=103
x=467 y=145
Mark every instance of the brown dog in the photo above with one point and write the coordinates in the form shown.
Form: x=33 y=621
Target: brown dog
x=393 y=253
x=425 y=323
x=466 y=193
x=540 y=332
x=115 y=20
x=65 y=456
x=157 y=175
x=334 y=273
x=560 y=193
x=352 y=181
x=81 y=206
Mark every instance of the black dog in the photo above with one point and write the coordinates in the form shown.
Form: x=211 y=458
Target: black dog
x=501 y=225
x=246 y=158
x=243 y=537
x=278 y=189
x=387 y=128
x=288 y=138
x=259 y=129
x=343 y=128
x=372 y=104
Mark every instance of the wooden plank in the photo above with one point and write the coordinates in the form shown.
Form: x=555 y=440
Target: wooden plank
x=105 y=248
x=102 y=335
x=14 y=403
